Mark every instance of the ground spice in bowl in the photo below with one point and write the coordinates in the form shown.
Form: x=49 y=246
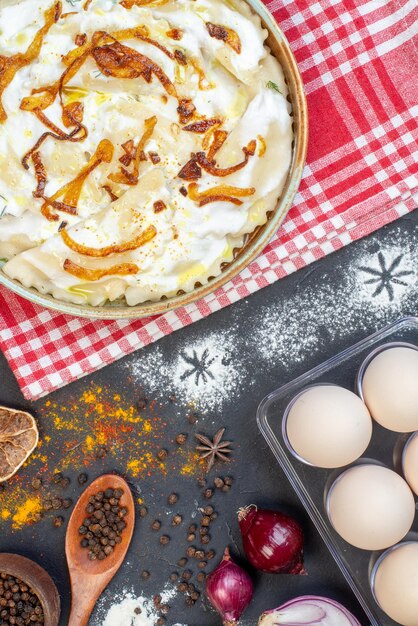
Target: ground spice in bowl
x=18 y=603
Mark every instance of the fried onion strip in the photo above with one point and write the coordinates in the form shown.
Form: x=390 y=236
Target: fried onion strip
x=219 y=138
x=225 y=34
x=40 y=174
x=131 y=178
x=133 y=244
x=225 y=190
x=211 y=167
x=202 y=126
x=71 y=192
x=9 y=66
x=84 y=273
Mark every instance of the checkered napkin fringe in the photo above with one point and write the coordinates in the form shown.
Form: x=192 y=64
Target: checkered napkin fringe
x=359 y=61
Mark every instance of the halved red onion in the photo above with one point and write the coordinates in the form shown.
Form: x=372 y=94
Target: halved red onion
x=309 y=611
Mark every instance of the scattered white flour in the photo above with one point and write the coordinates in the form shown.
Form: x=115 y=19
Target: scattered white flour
x=377 y=284
x=130 y=610
x=204 y=374
x=374 y=289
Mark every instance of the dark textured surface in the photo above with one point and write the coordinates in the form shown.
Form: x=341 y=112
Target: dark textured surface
x=317 y=312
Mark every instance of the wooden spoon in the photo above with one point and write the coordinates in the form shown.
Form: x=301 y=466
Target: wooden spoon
x=90 y=578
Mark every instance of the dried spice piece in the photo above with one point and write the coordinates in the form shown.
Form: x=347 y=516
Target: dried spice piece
x=213 y=450
x=181 y=439
x=18 y=438
x=19 y=604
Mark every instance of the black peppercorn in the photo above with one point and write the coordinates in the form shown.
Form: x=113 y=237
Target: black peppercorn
x=177 y=519
x=172 y=498
x=156 y=524
x=58 y=521
x=57 y=478
x=142 y=403
x=181 y=439
x=208 y=510
x=145 y=574
x=182 y=562
x=193 y=418
x=162 y=454
x=164 y=540
x=187 y=574
x=82 y=478
x=208 y=493
x=219 y=483
x=174 y=577
x=36 y=483
x=191 y=537
x=206 y=539
x=201 y=576
x=143 y=511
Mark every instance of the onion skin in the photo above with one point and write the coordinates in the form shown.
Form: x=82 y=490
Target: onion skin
x=312 y=610
x=229 y=589
x=273 y=542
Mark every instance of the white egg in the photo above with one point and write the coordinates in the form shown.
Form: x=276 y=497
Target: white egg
x=390 y=389
x=396 y=584
x=371 y=507
x=328 y=426
x=410 y=462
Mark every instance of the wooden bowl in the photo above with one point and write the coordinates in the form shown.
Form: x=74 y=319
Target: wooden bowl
x=254 y=244
x=38 y=580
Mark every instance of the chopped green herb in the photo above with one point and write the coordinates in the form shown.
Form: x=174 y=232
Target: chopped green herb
x=3 y=260
x=271 y=85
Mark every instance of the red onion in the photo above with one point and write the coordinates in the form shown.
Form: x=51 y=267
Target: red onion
x=309 y=611
x=273 y=541
x=229 y=589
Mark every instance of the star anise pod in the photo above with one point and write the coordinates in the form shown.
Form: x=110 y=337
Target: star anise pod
x=214 y=450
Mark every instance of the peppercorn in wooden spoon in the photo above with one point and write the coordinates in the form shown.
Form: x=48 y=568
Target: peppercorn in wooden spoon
x=98 y=536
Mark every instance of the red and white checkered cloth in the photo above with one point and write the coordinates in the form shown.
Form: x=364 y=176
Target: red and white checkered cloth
x=359 y=60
